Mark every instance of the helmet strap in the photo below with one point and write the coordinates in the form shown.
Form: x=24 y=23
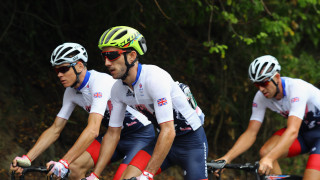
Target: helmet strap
x=278 y=90
x=125 y=75
x=77 y=77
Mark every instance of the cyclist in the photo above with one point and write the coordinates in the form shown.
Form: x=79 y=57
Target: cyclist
x=297 y=101
x=90 y=90
x=152 y=91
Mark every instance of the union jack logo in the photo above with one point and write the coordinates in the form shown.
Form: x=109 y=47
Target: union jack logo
x=254 y=105
x=97 y=95
x=295 y=99
x=162 y=101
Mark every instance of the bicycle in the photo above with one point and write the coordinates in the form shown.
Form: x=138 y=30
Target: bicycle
x=39 y=169
x=248 y=168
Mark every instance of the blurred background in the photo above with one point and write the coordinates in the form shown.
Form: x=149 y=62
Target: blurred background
x=207 y=44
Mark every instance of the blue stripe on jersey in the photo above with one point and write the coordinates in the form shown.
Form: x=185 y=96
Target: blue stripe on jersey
x=283 y=86
x=138 y=74
x=84 y=82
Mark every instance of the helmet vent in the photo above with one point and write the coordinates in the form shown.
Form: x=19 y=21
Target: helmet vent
x=110 y=35
x=73 y=53
x=262 y=68
x=63 y=52
x=271 y=68
x=120 y=35
x=103 y=36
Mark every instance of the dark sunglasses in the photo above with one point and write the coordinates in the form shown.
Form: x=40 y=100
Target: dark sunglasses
x=112 y=55
x=64 y=69
x=262 y=84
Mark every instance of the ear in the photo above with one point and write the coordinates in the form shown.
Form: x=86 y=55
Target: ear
x=132 y=56
x=278 y=77
x=79 y=66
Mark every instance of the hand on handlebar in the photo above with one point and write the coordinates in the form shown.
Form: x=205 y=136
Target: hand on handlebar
x=59 y=170
x=221 y=161
x=265 y=166
x=23 y=161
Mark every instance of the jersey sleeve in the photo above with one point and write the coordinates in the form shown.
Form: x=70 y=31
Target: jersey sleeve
x=101 y=93
x=67 y=104
x=117 y=108
x=159 y=89
x=298 y=100
x=258 y=107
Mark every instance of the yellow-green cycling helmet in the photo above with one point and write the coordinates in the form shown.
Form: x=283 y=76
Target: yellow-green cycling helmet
x=123 y=37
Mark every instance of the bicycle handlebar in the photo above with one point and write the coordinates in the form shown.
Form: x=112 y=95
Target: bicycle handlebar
x=41 y=169
x=216 y=165
x=248 y=167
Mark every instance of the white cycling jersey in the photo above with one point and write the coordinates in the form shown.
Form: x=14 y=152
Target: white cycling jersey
x=157 y=96
x=93 y=96
x=301 y=99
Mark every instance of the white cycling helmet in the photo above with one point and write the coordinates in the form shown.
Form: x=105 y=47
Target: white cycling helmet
x=68 y=53
x=263 y=67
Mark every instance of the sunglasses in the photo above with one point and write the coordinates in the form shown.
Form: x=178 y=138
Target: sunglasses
x=64 y=69
x=112 y=55
x=262 y=84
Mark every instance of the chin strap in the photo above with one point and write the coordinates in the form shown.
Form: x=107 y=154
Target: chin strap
x=125 y=75
x=77 y=76
x=278 y=90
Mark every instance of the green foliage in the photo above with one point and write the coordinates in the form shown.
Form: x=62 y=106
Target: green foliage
x=216 y=48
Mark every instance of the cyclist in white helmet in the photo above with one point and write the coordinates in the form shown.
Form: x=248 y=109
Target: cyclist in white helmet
x=90 y=90
x=297 y=101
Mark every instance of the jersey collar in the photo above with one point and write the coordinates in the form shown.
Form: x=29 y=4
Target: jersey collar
x=138 y=74
x=283 y=87
x=85 y=80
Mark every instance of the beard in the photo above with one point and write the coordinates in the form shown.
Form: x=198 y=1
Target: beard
x=120 y=73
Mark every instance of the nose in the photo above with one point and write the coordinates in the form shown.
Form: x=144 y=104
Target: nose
x=261 y=88
x=107 y=62
x=60 y=74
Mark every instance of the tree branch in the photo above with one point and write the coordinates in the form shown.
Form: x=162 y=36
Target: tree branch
x=266 y=8
x=164 y=14
x=10 y=22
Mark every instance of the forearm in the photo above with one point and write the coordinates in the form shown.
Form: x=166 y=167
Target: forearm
x=47 y=138
x=108 y=146
x=161 y=150
x=83 y=142
x=244 y=142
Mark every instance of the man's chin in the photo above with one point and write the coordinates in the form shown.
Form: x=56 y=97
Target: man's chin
x=267 y=95
x=65 y=85
x=115 y=76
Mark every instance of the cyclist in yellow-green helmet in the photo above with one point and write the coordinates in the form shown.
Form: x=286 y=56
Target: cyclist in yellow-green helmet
x=152 y=91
